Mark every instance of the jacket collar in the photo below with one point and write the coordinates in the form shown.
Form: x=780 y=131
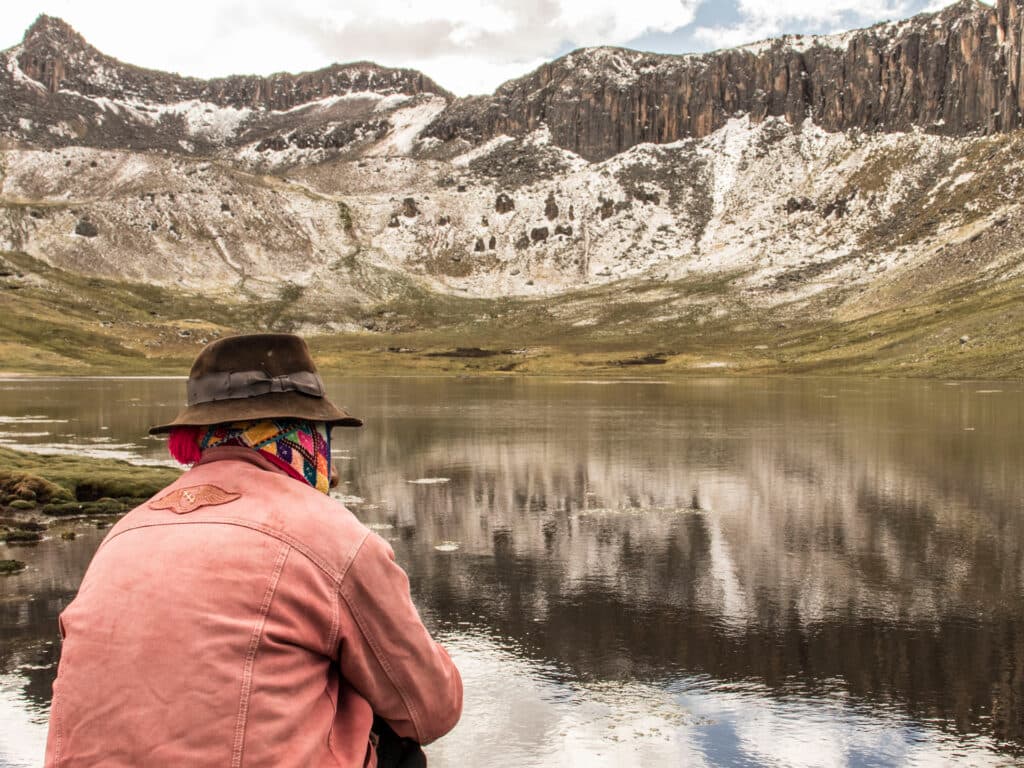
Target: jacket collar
x=238 y=453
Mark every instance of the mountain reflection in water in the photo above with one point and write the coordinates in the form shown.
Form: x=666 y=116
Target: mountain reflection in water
x=734 y=572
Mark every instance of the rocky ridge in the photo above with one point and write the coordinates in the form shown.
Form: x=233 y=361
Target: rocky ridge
x=820 y=178
x=955 y=72
x=58 y=90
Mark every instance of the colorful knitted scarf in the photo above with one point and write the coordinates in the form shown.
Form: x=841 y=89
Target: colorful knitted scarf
x=301 y=448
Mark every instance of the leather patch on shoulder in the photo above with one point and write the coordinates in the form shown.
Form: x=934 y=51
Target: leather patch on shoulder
x=185 y=500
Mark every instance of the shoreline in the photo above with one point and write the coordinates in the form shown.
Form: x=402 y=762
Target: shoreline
x=580 y=376
x=39 y=489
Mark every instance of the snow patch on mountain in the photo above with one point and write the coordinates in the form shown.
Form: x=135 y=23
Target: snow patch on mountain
x=803 y=43
x=17 y=73
x=208 y=120
x=203 y=119
x=384 y=103
x=463 y=160
x=391 y=101
x=407 y=124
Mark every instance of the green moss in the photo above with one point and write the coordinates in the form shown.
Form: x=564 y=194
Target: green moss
x=64 y=509
x=23 y=490
x=11 y=566
x=83 y=484
x=27 y=525
x=21 y=537
x=107 y=506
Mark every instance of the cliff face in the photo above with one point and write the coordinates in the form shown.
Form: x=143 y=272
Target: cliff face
x=55 y=55
x=956 y=72
x=57 y=90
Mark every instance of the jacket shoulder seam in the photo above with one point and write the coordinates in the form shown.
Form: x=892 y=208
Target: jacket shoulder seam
x=335 y=636
x=382 y=658
x=336 y=574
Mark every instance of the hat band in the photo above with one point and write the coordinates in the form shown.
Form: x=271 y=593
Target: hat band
x=239 y=385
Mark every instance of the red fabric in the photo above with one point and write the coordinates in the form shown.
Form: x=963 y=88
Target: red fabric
x=283 y=466
x=183 y=443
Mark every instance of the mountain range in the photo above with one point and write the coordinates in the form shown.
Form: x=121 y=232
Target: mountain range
x=836 y=204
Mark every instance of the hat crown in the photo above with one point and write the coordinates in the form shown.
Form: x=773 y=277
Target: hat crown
x=276 y=354
x=256 y=376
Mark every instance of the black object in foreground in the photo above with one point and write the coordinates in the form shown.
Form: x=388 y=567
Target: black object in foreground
x=393 y=751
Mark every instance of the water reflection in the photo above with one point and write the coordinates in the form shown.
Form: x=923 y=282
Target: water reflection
x=531 y=719
x=781 y=572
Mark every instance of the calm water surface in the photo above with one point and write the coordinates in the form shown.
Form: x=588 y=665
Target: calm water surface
x=783 y=572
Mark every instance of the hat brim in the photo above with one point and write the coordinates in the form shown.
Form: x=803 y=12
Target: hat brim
x=273 y=405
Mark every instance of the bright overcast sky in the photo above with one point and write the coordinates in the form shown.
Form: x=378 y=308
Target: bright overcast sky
x=467 y=46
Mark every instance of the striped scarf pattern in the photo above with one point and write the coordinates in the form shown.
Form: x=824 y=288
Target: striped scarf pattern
x=302 y=448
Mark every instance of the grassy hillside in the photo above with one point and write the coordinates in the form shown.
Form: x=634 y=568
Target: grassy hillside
x=55 y=322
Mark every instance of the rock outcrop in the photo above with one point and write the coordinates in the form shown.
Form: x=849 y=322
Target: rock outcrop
x=58 y=57
x=955 y=72
x=57 y=90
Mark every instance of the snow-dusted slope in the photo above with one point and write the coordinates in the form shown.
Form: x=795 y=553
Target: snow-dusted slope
x=797 y=210
x=261 y=184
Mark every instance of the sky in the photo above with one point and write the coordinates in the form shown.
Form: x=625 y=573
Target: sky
x=466 y=46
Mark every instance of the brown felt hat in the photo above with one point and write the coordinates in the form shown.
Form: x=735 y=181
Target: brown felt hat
x=259 y=376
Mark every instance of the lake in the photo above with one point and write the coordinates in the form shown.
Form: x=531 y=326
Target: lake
x=784 y=572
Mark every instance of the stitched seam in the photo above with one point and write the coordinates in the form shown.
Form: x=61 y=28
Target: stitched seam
x=59 y=747
x=332 y=652
x=386 y=666
x=340 y=586
x=333 y=639
x=250 y=658
x=352 y=557
x=336 y=575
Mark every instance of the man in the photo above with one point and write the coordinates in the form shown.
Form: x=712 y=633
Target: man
x=241 y=617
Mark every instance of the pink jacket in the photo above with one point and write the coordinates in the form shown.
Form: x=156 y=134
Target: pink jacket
x=241 y=618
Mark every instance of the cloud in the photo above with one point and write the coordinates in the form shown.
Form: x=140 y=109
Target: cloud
x=481 y=43
x=760 y=19
x=465 y=45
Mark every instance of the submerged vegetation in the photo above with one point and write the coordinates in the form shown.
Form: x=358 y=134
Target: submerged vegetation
x=35 y=488
x=11 y=566
x=71 y=485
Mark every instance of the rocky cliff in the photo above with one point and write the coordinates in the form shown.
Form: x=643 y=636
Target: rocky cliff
x=55 y=55
x=59 y=90
x=956 y=72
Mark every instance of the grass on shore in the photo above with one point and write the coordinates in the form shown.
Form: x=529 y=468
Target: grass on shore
x=73 y=485
x=34 y=488
x=8 y=567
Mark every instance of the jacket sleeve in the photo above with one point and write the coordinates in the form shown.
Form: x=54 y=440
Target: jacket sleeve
x=386 y=653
